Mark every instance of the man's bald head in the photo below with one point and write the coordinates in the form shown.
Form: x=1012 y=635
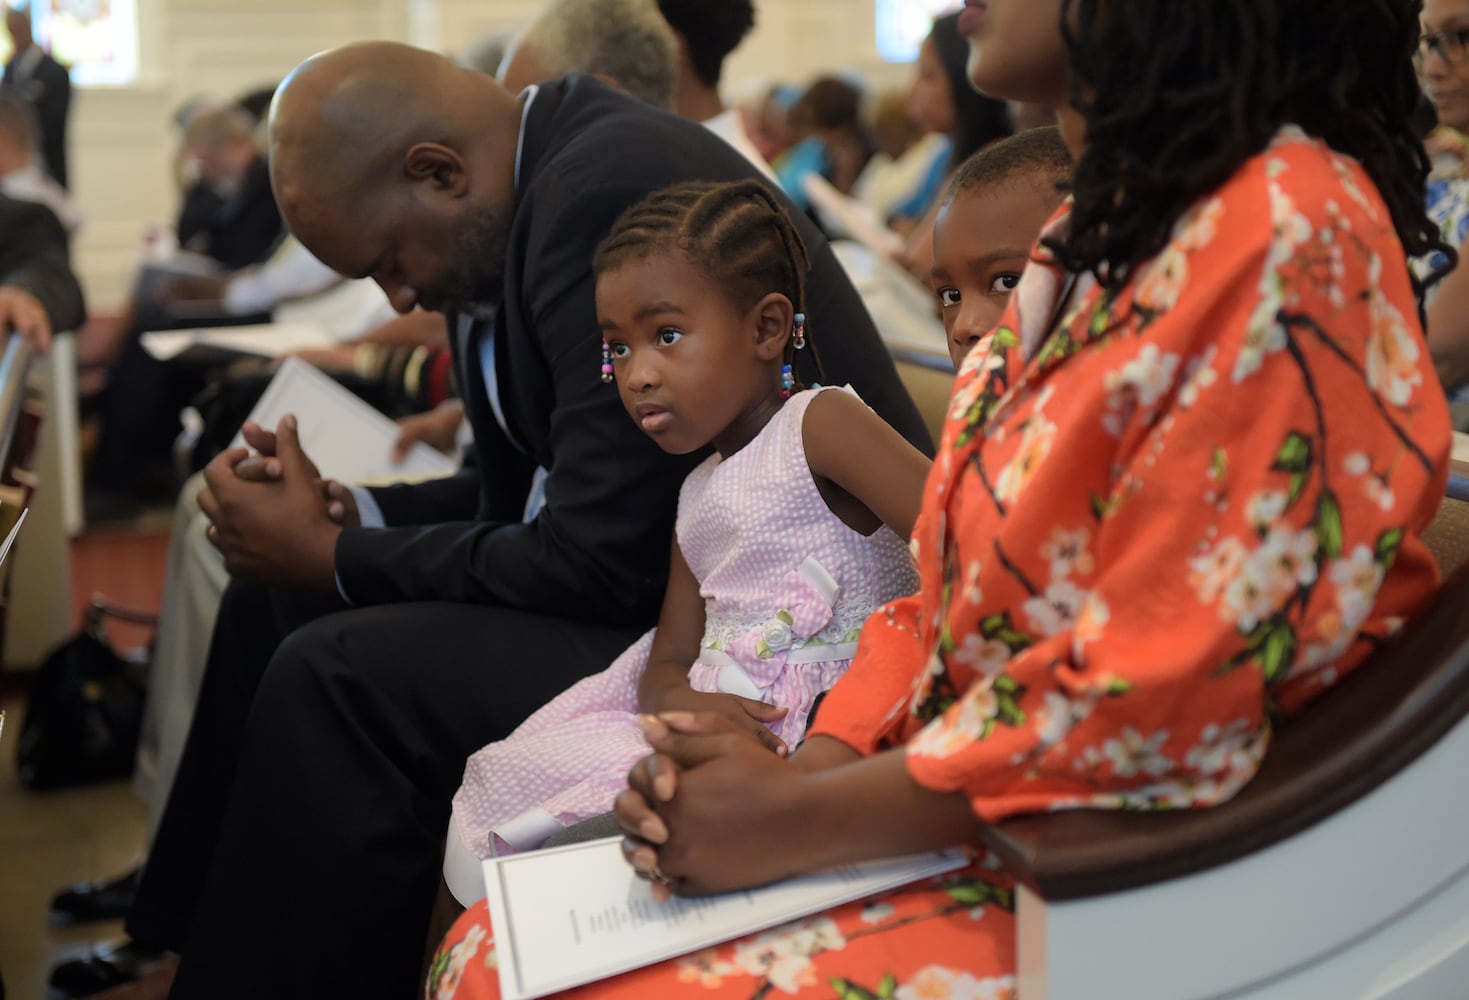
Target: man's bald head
x=347 y=116
x=376 y=147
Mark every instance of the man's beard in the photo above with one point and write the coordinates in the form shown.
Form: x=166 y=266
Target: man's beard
x=474 y=287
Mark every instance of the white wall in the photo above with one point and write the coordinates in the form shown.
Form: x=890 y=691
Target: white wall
x=122 y=143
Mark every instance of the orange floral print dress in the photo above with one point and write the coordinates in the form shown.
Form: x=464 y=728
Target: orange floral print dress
x=1155 y=527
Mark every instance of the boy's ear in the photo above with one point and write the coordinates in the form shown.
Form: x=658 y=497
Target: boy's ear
x=772 y=317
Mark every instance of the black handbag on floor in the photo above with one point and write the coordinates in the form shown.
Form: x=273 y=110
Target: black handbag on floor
x=84 y=714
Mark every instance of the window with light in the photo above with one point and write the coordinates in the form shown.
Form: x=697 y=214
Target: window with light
x=96 y=39
x=903 y=24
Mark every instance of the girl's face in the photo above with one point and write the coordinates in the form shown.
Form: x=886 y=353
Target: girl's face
x=931 y=99
x=1443 y=60
x=691 y=367
x=1015 y=50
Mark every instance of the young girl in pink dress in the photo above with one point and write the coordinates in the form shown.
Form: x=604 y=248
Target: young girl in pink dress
x=787 y=538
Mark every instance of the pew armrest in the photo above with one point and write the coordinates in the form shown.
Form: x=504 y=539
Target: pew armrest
x=1357 y=736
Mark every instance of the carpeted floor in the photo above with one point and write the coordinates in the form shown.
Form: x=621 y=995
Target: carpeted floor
x=52 y=839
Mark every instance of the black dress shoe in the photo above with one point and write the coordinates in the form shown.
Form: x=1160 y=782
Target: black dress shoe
x=106 y=967
x=87 y=902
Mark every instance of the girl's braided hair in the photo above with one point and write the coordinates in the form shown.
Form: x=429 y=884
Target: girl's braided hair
x=736 y=232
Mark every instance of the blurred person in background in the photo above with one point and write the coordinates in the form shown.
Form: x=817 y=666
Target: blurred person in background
x=833 y=141
x=767 y=123
x=230 y=214
x=21 y=174
x=905 y=154
x=39 y=293
x=228 y=222
x=487 y=52
x=46 y=84
x=707 y=32
x=1443 y=69
x=625 y=43
x=943 y=100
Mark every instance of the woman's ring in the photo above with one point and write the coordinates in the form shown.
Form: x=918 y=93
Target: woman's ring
x=658 y=876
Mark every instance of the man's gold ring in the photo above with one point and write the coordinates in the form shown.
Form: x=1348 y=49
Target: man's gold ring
x=213 y=532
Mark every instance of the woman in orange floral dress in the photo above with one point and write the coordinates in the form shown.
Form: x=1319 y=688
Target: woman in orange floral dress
x=1181 y=491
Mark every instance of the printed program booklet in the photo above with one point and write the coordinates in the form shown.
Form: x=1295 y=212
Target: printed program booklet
x=572 y=915
x=346 y=438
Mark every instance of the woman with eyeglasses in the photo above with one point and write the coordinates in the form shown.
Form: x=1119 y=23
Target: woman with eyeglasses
x=1443 y=67
x=1181 y=492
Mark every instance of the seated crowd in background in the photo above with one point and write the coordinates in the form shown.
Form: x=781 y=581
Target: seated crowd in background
x=22 y=172
x=1443 y=66
x=39 y=294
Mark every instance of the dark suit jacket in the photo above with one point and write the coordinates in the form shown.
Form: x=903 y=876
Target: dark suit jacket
x=48 y=88
x=33 y=256
x=598 y=551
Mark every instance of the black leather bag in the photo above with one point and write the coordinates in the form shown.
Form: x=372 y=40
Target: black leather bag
x=83 y=717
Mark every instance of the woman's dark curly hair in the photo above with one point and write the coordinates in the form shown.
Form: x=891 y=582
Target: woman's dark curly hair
x=1178 y=94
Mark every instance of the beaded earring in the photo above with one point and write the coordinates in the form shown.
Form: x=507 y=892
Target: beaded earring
x=798 y=341
x=606 y=361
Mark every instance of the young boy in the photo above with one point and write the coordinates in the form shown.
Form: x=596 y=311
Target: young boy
x=990 y=217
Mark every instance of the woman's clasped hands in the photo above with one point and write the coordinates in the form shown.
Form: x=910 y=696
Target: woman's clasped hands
x=712 y=810
x=703 y=813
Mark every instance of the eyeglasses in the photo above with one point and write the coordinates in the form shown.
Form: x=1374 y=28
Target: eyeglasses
x=1450 y=46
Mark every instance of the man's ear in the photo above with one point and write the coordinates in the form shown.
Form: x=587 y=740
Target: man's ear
x=772 y=318
x=438 y=166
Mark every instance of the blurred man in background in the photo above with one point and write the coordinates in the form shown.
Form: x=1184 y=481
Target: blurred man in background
x=46 y=84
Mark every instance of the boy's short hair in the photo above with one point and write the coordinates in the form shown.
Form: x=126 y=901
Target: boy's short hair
x=1038 y=155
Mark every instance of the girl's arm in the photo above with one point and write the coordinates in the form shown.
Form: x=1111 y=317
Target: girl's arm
x=819 y=753
x=852 y=448
x=680 y=629
x=664 y=686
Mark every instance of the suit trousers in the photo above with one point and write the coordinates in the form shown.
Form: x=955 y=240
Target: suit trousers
x=192 y=587
x=299 y=853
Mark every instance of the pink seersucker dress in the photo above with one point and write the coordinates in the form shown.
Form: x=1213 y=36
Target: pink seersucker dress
x=787 y=586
